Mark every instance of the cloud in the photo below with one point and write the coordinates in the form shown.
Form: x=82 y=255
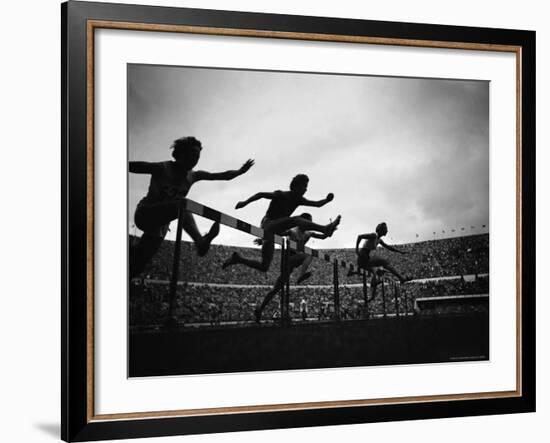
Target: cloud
x=412 y=152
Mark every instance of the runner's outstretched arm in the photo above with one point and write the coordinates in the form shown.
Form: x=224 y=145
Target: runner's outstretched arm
x=226 y=175
x=317 y=203
x=391 y=248
x=258 y=196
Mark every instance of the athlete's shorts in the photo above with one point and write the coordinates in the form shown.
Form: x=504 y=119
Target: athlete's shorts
x=144 y=219
x=363 y=260
x=265 y=225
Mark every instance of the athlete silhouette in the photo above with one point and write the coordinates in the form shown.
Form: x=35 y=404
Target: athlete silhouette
x=170 y=182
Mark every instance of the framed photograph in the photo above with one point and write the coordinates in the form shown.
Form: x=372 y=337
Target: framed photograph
x=276 y=221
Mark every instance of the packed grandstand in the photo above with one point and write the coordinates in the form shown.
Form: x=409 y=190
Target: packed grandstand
x=208 y=295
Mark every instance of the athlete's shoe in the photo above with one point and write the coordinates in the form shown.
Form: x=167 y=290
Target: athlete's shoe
x=203 y=245
x=230 y=261
x=333 y=226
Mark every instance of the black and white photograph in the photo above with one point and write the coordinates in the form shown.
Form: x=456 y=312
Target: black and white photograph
x=242 y=221
x=302 y=220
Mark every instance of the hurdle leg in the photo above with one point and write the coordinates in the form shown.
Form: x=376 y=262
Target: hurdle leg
x=175 y=269
x=365 y=296
x=287 y=282
x=384 y=299
x=396 y=296
x=336 y=292
x=282 y=291
x=406 y=300
x=284 y=259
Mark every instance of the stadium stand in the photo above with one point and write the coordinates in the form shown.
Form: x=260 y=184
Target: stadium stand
x=209 y=296
x=436 y=258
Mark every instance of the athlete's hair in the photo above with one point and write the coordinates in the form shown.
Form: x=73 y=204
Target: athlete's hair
x=298 y=180
x=307 y=216
x=381 y=226
x=183 y=144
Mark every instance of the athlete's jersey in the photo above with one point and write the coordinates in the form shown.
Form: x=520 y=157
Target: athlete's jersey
x=300 y=237
x=283 y=204
x=371 y=243
x=167 y=185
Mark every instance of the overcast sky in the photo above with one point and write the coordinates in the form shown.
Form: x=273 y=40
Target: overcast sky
x=411 y=152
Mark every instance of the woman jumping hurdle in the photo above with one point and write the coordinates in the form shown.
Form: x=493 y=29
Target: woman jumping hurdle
x=170 y=182
x=279 y=219
x=369 y=262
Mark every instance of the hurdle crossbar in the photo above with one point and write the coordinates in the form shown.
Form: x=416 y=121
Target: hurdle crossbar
x=247 y=228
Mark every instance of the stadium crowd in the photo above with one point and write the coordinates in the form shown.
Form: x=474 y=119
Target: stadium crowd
x=436 y=258
x=213 y=304
x=201 y=300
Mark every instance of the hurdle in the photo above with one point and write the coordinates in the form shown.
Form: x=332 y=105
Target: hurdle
x=172 y=321
x=336 y=291
x=286 y=246
x=365 y=296
x=384 y=299
x=247 y=228
x=285 y=288
x=396 y=294
x=388 y=287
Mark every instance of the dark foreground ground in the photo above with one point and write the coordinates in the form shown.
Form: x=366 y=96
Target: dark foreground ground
x=389 y=341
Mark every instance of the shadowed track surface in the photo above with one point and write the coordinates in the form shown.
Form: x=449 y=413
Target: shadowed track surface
x=389 y=341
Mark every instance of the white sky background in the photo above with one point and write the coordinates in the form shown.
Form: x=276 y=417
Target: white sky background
x=411 y=152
